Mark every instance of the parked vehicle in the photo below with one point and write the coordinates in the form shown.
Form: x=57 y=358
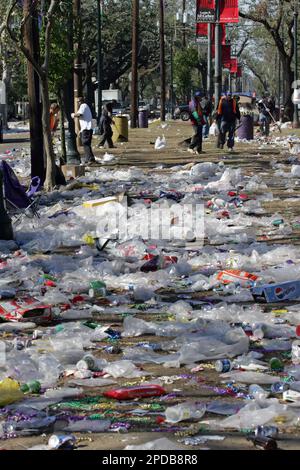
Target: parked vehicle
x=182 y=112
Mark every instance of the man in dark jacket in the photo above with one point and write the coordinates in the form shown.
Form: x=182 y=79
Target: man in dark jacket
x=197 y=121
x=227 y=114
x=105 y=126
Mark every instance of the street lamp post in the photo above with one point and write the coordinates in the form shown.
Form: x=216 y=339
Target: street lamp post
x=99 y=58
x=296 y=115
x=218 y=58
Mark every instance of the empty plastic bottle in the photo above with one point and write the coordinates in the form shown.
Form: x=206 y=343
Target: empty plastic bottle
x=257 y=392
x=296 y=352
x=184 y=411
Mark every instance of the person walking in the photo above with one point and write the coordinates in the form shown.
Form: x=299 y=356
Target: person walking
x=206 y=105
x=197 y=121
x=227 y=114
x=105 y=126
x=264 y=116
x=84 y=114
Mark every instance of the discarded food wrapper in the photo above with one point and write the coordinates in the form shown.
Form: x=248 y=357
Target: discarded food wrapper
x=244 y=278
x=103 y=200
x=289 y=290
x=25 y=309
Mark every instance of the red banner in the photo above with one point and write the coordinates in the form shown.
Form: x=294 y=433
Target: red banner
x=202 y=33
x=233 y=65
x=205 y=11
x=229 y=11
x=226 y=56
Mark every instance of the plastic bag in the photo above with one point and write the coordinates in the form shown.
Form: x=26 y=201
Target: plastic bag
x=9 y=392
x=160 y=143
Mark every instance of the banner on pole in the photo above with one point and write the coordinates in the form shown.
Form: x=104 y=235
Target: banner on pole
x=202 y=33
x=205 y=11
x=229 y=11
x=226 y=56
x=233 y=65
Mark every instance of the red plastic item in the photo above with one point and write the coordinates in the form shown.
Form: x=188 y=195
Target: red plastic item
x=298 y=331
x=141 y=391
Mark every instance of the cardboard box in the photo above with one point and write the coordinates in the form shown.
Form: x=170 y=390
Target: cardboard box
x=283 y=291
x=73 y=171
x=103 y=200
x=25 y=309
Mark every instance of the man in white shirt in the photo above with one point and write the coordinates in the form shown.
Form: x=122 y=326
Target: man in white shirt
x=85 y=120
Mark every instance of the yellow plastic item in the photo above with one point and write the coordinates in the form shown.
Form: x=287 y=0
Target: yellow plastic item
x=120 y=129
x=103 y=200
x=9 y=392
x=88 y=239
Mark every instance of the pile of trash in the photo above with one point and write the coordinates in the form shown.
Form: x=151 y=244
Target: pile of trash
x=134 y=287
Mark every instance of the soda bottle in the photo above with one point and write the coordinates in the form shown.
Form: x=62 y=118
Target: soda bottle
x=89 y=362
x=262 y=442
x=140 y=391
x=266 y=431
x=276 y=365
x=97 y=289
x=31 y=387
x=257 y=392
x=223 y=365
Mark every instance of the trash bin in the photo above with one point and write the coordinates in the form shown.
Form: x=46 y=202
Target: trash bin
x=120 y=129
x=143 y=119
x=246 y=129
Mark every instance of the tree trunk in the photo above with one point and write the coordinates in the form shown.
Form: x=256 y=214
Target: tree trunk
x=50 y=157
x=288 y=78
x=31 y=41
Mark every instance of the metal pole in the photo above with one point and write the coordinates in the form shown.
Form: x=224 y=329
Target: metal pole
x=296 y=115
x=77 y=64
x=6 y=231
x=172 y=77
x=183 y=24
x=209 y=62
x=162 y=62
x=99 y=58
x=134 y=65
x=218 y=56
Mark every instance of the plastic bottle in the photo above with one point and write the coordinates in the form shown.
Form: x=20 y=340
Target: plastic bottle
x=296 y=352
x=257 y=392
x=97 y=289
x=223 y=365
x=89 y=425
x=267 y=431
x=262 y=442
x=89 y=362
x=276 y=364
x=184 y=411
x=33 y=386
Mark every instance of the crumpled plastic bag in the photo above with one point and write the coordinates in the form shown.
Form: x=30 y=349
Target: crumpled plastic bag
x=158 y=444
x=160 y=143
x=9 y=392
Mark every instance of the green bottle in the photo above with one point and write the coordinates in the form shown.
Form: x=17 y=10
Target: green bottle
x=97 y=289
x=276 y=364
x=31 y=387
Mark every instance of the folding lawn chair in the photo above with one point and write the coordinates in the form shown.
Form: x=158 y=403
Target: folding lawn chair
x=17 y=200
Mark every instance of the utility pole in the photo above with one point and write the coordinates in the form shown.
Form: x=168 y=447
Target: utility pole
x=162 y=62
x=77 y=63
x=172 y=75
x=209 y=61
x=296 y=115
x=31 y=41
x=183 y=23
x=134 y=65
x=218 y=56
x=99 y=58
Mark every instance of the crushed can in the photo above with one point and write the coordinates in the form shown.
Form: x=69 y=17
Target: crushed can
x=62 y=441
